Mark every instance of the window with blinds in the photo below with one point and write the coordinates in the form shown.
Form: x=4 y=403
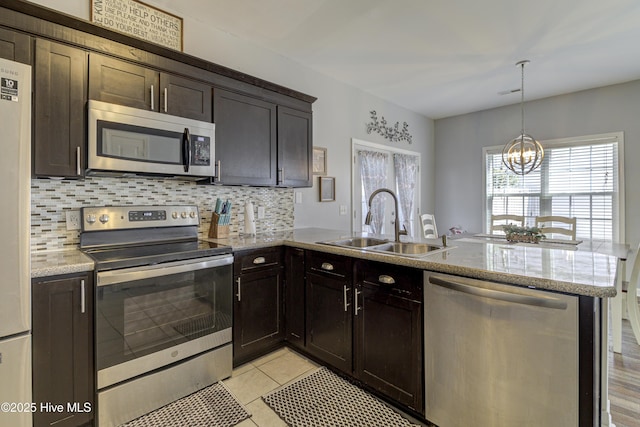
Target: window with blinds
x=579 y=177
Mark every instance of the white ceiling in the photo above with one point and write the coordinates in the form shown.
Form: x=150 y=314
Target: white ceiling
x=441 y=57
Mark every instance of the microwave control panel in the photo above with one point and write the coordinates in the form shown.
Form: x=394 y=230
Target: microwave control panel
x=200 y=150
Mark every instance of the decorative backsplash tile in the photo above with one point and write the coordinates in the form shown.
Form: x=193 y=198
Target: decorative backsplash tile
x=51 y=198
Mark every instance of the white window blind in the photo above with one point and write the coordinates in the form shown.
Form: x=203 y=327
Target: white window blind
x=579 y=177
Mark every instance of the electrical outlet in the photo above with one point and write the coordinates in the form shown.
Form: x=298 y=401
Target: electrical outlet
x=260 y=212
x=73 y=219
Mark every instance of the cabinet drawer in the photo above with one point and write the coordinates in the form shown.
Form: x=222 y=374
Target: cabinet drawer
x=331 y=264
x=405 y=281
x=252 y=260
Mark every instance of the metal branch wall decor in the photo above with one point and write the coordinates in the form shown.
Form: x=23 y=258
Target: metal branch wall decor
x=392 y=133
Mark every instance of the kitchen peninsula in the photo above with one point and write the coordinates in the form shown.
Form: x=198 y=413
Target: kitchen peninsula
x=291 y=272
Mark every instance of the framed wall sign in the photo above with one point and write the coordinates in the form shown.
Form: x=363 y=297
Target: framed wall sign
x=140 y=20
x=327 y=185
x=319 y=161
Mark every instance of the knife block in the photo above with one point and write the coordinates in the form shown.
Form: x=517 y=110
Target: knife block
x=217 y=231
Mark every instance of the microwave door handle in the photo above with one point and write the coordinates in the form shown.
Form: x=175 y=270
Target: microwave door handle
x=186 y=149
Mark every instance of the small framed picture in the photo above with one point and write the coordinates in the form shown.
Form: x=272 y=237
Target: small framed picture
x=327 y=186
x=319 y=161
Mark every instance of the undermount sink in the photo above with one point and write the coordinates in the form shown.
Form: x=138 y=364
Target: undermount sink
x=407 y=249
x=356 y=242
x=373 y=244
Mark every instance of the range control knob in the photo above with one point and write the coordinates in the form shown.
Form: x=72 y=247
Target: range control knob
x=104 y=218
x=183 y=214
x=192 y=214
x=174 y=215
x=91 y=218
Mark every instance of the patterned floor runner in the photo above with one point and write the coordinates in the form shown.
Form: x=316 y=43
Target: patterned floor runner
x=213 y=406
x=324 y=399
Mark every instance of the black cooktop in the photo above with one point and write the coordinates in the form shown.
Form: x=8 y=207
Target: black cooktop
x=149 y=254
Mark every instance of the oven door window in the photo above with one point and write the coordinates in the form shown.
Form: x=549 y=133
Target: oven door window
x=140 y=317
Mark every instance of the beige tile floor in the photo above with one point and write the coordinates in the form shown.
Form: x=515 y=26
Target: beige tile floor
x=250 y=381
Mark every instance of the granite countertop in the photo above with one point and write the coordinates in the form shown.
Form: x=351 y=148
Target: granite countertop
x=566 y=268
x=563 y=268
x=53 y=263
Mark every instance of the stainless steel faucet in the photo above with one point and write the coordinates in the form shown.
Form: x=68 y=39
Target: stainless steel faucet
x=397 y=230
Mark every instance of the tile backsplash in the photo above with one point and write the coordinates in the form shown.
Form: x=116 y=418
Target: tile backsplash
x=51 y=198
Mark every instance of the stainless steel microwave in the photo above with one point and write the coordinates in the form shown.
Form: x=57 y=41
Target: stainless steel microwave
x=129 y=140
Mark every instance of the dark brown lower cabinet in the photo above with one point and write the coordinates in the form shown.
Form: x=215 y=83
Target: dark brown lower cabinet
x=329 y=322
x=63 y=372
x=294 y=296
x=258 y=319
x=388 y=331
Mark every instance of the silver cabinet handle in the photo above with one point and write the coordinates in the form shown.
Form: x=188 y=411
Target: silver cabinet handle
x=355 y=303
x=83 y=303
x=345 y=290
x=239 y=294
x=259 y=260
x=387 y=280
x=468 y=286
x=152 y=105
x=280 y=175
x=165 y=100
x=327 y=266
x=78 y=163
x=218 y=176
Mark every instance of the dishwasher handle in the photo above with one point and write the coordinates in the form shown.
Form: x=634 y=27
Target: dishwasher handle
x=467 y=286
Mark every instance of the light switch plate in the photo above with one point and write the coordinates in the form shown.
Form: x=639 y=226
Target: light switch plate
x=343 y=209
x=260 y=212
x=298 y=197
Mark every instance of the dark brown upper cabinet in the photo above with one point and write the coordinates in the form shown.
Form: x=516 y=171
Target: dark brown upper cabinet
x=60 y=88
x=261 y=143
x=294 y=148
x=15 y=46
x=246 y=139
x=124 y=83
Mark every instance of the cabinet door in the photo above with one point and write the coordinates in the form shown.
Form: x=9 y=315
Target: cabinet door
x=388 y=344
x=245 y=139
x=294 y=148
x=329 y=321
x=294 y=296
x=185 y=97
x=388 y=331
x=120 y=82
x=15 y=46
x=60 y=87
x=63 y=349
x=258 y=323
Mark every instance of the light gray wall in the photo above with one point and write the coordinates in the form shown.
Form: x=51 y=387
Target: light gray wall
x=460 y=139
x=339 y=114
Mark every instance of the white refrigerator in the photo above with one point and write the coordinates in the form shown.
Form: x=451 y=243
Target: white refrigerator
x=15 y=274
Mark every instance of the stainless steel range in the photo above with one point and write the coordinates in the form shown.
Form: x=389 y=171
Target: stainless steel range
x=163 y=307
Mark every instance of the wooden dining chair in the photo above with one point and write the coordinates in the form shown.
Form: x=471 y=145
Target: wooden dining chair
x=557 y=225
x=631 y=292
x=499 y=221
x=429 y=229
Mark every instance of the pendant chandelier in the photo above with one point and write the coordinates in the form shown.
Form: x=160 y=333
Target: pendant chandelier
x=522 y=154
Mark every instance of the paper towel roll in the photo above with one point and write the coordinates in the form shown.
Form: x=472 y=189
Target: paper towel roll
x=249 y=221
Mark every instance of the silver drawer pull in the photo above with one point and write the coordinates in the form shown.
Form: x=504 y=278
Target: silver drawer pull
x=259 y=260
x=387 y=280
x=327 y=266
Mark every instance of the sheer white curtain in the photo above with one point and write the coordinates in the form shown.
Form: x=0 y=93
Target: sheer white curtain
x=373 y=170
x=406 y=171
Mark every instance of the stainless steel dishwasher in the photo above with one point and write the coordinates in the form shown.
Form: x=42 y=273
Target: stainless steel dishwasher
x=499 y=355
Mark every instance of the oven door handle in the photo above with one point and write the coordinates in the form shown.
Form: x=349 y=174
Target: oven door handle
x=112 y=277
